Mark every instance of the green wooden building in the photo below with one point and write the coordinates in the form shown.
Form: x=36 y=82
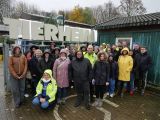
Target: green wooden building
x=141 y=29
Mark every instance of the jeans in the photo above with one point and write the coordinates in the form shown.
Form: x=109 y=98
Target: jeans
x=132 y=82
x=111 y=86
x=62 y=93
x=143 y=80
x=18 y=89
x=36 y=101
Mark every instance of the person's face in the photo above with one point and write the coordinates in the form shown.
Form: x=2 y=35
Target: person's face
x=63 y=55
x=38 y=53
x=46 y=55
x=143 y=50
x=102 y=57
x=130 y=53
x=33 y=49
x=125 y=52
x=52 y=46
x=83 y=49
x=17 y=51
x=109 y=50
x=56 y=52
x=136 y=47
x=113 y=47
x=124 y=43
x=79 y=55
x=110 y=58
x=46 y=76
x=28 y=55
x=90 y=50
x=96 y=50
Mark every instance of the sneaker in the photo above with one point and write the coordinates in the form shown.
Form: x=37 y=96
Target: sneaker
x=112 y=95
x=26 y=95
x=105 y=95
x=142 y=92
x=100 y=103
x=95 y=103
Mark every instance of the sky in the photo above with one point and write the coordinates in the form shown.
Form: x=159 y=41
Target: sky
x=48 y=5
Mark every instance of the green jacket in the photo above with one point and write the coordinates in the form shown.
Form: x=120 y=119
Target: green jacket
x=91 y=57
x=51 y=89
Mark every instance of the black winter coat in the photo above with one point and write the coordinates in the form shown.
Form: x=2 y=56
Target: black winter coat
x=80 y=70
x=101 y=72
x=145 y=62
x=114 y=69
x=34 y=68
x=43 y=65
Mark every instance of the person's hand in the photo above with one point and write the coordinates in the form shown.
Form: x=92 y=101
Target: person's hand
x=42 y=100
x=107 y=83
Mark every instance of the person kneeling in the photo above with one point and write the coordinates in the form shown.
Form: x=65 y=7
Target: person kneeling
x=45 y=91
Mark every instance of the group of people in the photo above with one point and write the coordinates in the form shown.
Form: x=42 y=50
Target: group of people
x=93 y=70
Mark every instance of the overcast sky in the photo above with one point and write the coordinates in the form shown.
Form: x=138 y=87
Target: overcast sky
x=48 y=5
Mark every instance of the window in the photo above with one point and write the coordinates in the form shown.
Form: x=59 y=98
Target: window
x=127 y=42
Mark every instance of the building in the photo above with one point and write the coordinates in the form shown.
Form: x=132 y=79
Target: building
x=142 y=29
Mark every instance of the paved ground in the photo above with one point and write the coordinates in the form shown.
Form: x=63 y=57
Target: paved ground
x=128 y=108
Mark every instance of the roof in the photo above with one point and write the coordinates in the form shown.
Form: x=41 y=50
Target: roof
x=41 y=18
x=139 y=20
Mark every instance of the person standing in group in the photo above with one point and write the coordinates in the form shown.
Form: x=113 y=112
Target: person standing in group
x=60 y=71
x=132 y=77
x=145 y=63
x=92 y=57
x=80 y=71
x=35 y=70
x=101 y=78
x=113 y=75
x=125 y=65
x=18 y=68
x=46 y=62
x=28 y=83
x=46 y=91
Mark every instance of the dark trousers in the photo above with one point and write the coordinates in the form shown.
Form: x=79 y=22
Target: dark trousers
x=82 y=90
x=18 y=89
x=100 y=90
x=142 y=80
x=91 y=92
x=62 y=93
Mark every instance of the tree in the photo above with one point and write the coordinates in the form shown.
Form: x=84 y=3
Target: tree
x=105 y=12
x=5 y=8
x=88 y=16
x=76 y=14
x=132 y=7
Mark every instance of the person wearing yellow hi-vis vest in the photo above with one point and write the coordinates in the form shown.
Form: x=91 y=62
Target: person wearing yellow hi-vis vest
x=92 y=57
x=46 y=90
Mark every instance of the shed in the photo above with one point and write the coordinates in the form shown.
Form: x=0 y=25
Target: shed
x=141 y=29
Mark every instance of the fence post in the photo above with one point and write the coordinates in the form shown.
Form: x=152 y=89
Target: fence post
x=5 y=65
